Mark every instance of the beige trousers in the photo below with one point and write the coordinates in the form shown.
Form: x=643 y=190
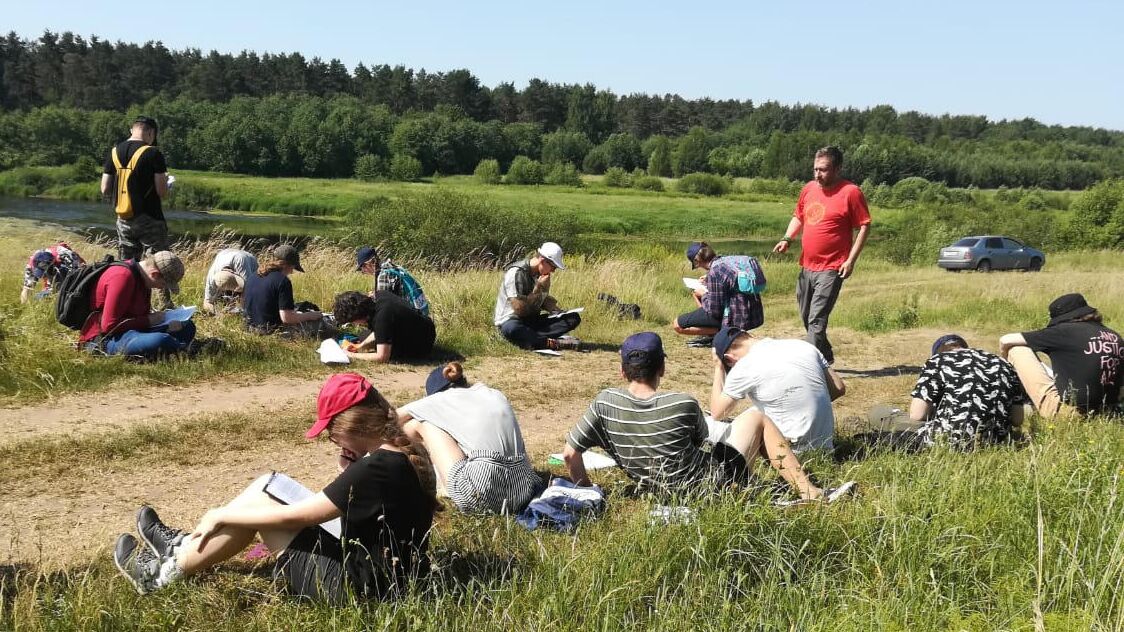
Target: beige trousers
x=1038 y=383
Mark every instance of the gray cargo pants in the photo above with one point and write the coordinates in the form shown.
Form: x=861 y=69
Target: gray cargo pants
x=816 y=293
x=144 y=235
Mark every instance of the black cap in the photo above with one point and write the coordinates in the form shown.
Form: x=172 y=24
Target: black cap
x=723 y=339
x=1069 y=307
x=147 y=121
x=365 y=254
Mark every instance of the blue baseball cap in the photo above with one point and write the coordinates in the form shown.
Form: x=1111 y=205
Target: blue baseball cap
x=365 y=254
x=724 y=338
x=693 y=251
x=437 y=382
x=41 y=262
x=642 y=348
x=945 y=339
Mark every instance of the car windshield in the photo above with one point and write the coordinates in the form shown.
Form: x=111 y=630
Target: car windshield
x=966 y=243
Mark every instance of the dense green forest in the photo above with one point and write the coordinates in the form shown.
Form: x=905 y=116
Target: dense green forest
x=63 y=97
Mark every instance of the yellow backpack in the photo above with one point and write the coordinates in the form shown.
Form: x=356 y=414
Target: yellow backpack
x=124 y=206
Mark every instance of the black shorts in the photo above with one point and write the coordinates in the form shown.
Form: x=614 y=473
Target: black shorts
x=699 y=318
x=729 y=465
x=312 y=567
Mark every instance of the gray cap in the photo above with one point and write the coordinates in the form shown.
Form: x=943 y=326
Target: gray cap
x=289 y=255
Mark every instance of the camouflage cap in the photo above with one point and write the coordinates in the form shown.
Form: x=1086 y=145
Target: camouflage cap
x=171 y=269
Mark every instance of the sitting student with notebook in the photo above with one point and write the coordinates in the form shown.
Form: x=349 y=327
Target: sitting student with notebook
x=728 y=296
x=523 y=297
x=384 y=499
x=269 y=304
x=397 y=330
x=474 y=442
x=661 y=439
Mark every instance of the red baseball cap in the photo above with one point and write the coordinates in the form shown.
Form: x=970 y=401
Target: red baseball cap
x=340 y=392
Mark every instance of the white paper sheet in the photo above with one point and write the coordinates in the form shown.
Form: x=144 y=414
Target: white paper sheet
x=576 y=310
x=693 y=284
x=288 y=491
x=331 y=353
x=592 y=460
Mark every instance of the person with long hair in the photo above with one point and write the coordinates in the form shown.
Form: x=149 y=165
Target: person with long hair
x=268 y=300
x=364 y=535
x=474 y=441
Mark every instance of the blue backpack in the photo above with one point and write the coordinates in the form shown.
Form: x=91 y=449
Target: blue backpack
x=751 y=278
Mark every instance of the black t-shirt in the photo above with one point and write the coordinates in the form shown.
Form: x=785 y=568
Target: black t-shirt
x=397 y=323
x=265 y=297
x=386 y=522
x=142 y=182
x=1087 y=359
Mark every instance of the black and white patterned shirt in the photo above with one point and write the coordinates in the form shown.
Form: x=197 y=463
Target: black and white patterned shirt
x=972 y=393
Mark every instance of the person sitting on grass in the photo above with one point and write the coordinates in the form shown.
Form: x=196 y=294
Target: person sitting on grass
x=1086 y=359
x=381 y=505
x=967 y=395
x=49 y=266
x=121 y=321
x=391 y=278
x=730 y=296
x=523 y=297
x=474 y=442
x=788 y=381
x=662 y=441
x=397 y=330
x=269 y=305
x=226 y=280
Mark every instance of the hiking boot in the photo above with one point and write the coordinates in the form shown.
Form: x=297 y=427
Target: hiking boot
x=159 y=537
x=564 y=343
x=138 y=564
x=701 y=342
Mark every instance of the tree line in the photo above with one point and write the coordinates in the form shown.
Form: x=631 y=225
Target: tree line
x=63 y=97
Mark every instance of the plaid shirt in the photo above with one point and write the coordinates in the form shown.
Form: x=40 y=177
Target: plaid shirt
x=395 y=279
x=723 y=299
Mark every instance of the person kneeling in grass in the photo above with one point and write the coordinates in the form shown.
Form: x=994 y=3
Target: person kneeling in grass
x=968 y=395
x=269 y=303
x=474 y=441
x=1087 y=361
x=523 y=297
x=225 y=282
x=383 y=502
x=121 y=320
x=49 y=266
x=397 y=330
x=788 y=381
x=730 y=296
x=661 y=440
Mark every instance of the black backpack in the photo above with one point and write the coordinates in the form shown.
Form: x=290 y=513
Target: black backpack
x=75 y=290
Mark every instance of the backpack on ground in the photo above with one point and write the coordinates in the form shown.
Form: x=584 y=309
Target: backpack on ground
x=124 y=205
x=76 y=290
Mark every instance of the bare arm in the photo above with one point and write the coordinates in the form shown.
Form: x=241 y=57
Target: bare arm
x=794 y=226
x=105 y=180
x=381 y=353
x=919 y=409
x=835 y=386
x=293 y=317
x=311 y=511
x=576 y=465
x=161 y=183
x=1010 y=341
x=856 y=249
x=25 y=294
x=720 y=402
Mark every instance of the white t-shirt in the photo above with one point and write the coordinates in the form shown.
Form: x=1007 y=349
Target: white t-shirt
x=785 y=379
x=241 y=262
x=478 y=418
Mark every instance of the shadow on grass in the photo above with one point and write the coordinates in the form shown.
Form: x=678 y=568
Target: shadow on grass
x=889 y=371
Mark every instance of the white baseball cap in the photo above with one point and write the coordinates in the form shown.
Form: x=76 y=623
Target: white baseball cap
x=553 y=252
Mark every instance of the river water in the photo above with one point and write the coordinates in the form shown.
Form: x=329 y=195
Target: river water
x=99 y=218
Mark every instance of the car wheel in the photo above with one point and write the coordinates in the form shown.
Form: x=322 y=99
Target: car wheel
x=984 y=266
x=1035 y=264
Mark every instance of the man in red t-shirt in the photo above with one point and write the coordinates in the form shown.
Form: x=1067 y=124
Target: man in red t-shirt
x=829 y=211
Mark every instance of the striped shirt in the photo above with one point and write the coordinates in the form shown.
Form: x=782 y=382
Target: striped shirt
x=656 y=441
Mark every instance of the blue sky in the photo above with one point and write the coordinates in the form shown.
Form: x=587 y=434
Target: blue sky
x=1057 y=62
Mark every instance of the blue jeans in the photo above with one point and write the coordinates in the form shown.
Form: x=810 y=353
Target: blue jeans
x=150 y=343
x=532 y=333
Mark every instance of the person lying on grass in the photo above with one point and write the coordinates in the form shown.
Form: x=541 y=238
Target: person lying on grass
x=967 y=395
x=661 y=440
x=269 y=304
x=474 y=441
x=730 y=297
x=788 y=381
x=1087 y=361
x=383 y=501
x=523 y=298
x=397 y=330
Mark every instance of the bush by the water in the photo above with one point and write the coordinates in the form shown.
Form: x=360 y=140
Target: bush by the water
x=370 y=167
x=456 y=230
x=704 y=184
x=523 y=170
x=405 y=168
x=563 y=174
x=488 y=172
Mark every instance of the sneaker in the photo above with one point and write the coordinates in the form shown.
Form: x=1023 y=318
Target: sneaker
x=843 y=491
x=701 y=342
x=565 y=343
x=138 y=564
x=159 y=537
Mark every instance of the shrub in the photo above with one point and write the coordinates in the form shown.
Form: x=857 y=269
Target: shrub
x=564 y=174
x=523 y=170
x=488 y=171
x=596 y=161
x=617 y=178
x=704 y=184
x=455 y=229
x=774 y=186
x=370 y=167
x=648 y=183
x=564 y=146
x=405 y=168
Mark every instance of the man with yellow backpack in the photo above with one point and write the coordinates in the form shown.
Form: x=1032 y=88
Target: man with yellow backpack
x=136 y=175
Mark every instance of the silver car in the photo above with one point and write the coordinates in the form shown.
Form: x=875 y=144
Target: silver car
x=990 y=252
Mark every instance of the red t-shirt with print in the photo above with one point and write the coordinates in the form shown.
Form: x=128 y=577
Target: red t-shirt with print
x=830 y=217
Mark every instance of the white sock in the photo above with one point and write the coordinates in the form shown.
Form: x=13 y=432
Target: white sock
x=170 y=569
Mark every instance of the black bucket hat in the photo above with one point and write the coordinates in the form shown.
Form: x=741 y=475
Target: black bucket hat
x=1069 y=307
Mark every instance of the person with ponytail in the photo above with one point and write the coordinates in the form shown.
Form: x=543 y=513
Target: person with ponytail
x=364 y=535
x=474 y=441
